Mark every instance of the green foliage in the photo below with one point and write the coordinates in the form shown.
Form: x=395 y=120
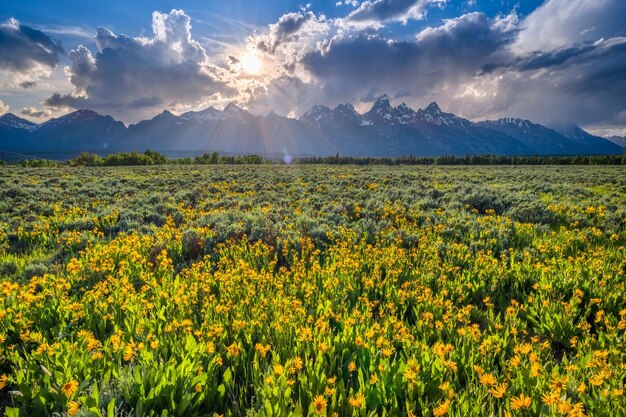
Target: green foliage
x=278 y=290
x=119 y=159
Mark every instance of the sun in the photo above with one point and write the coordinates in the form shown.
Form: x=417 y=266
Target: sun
x=250 y=63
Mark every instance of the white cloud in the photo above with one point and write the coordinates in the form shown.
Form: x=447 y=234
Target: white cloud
x=3 y=107
x=36 y=113
x=379 y=12
x=132 y=77
x=559 y=23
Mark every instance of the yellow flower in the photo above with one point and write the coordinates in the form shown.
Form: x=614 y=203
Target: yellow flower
x=549 y=398
x=352 y=366
x=487 y=379
x=515 y=361
x=441 y=409
x=499 y=390
x=297 y=362
x=198 y=387
x=373 y=379
x=72 y=408
x=278 y=369
x=3 y=381
x=357 y=400
x=262 y=349
x=233 y=350
x=69 y=388
x=521 y=402
x=319 y=404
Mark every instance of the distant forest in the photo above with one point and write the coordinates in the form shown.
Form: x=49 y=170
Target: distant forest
x=150 y=157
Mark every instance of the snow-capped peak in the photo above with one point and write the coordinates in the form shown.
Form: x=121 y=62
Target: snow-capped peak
x=404 y=113
x=434 y=115
x=164 y=114
x=77 y=116
x=523 y=124
x=317 y=114
x=382 y=103
x=208 y=114
x=15 y=122
x=433 y=108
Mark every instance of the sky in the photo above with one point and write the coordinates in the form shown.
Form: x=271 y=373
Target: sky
x=554 y=62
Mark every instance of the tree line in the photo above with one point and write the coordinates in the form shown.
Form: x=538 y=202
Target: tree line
x=150 y=157
x=470 y=160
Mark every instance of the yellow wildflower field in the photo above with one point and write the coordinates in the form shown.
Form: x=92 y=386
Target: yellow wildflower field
x=313 y=290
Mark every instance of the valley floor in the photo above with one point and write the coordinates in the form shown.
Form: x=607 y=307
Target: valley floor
x=313 y=290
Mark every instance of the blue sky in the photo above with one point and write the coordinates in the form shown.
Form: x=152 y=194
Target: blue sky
x=552 y=61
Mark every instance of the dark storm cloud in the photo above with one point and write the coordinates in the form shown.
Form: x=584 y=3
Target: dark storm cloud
x=447 y=54
x=22 y=48
x=128 y=74
x=566 y=56
x=585 y=85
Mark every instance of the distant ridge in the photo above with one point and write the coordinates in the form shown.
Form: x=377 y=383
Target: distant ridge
x=383 y=131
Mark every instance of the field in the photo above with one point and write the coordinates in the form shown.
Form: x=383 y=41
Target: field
x=313 y=290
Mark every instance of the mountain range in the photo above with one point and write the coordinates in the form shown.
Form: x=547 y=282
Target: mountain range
x=619 y=140
x=382 y=131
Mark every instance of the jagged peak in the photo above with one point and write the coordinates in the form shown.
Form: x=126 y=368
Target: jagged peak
x=318 y=107
x=382 y=102
x=316 y=111
x=433 y=108
x=404 y=109
x=210 y=113
x=346 y=109
x=232 y=107
x=346 y=106
x=209 y=109
x=165 y=113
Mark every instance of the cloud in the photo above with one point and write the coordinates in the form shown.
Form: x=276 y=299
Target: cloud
x=287 y=27
x=568 y=64
x=350 y=66
x=585 y=84
x=572 y=55
x=132 y=76
x=475 y=65
x=27 y=51
x=28 y=84
x=292 y=28
x=3 y=107
x=37 y=114
x=561 y=23
x=379 y=12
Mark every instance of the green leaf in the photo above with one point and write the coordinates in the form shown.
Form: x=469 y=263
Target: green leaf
x=228 y=375
x=111 y=409
x=12 y=412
